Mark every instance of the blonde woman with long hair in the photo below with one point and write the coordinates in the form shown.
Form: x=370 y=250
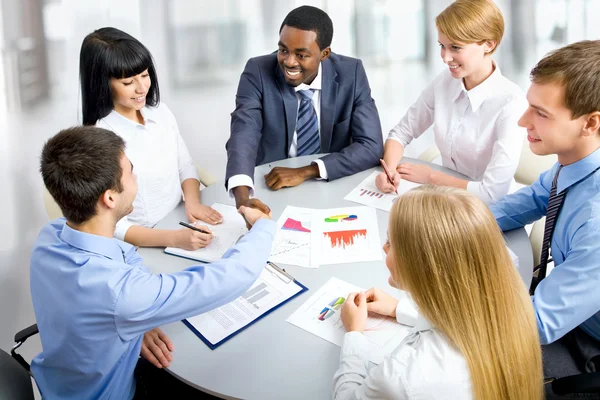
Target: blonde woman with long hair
x=471 y=107
x=473 y=334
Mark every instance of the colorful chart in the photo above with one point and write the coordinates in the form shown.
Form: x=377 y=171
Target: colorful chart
x=342 y=217
x=343 y=239
x=370 y=193
x=331 y=308
x=293 y=225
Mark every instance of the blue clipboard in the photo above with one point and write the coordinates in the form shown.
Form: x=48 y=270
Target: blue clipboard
x=279 y=270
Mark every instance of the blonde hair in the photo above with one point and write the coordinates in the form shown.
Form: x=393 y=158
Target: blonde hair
x=472 y=21
x=450 y=255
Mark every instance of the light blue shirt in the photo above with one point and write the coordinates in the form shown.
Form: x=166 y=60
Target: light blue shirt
x=570 y=295
x=94 y=300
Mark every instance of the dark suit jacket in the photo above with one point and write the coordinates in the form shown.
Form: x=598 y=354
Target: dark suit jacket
x=264 y=120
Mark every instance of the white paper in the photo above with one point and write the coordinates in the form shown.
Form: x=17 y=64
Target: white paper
x=226 y=234
x=292 y=241
x=344 y=235
x=268 y=291
x=367 y=193
x=320 y=315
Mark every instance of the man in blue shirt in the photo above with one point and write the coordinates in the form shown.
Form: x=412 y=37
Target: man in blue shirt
x=563 y=118
x=93 y=298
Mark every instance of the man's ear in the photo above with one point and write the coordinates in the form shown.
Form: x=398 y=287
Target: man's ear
x=108 y=199
x=325 y=53
x=592 y=124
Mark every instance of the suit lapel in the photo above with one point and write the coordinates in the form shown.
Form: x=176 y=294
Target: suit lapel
x=290 y=103
x=329 y=91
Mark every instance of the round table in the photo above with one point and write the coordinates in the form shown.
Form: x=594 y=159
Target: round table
x=274 y=359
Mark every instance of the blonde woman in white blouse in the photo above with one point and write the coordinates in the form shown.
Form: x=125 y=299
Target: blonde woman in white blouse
x=474 y=333
x=471 y=106
x=120 y=93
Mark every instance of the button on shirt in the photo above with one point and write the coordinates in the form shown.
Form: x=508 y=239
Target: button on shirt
x=245 y=180
x=424 y=366
x=476 y=131
x=569 y=296
x=94 y=300
x=161 y=163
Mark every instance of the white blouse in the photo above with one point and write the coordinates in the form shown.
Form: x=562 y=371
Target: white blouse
x=476 y=131
x=161 y=163
x=424 y=366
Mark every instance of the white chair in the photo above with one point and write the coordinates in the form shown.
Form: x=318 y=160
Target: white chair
x=528 y=171
x=206 y=178
x=430 y=154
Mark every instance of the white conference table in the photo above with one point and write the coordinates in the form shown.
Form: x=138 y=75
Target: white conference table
x=274 y=359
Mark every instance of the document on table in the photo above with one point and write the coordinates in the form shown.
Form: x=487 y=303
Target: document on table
x=272 y=289
x=226 y=235
x=292 y=241
x=368 y=194
x=344 y=235
x=320 y=315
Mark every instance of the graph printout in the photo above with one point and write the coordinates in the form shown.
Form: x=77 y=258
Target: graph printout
x=320 y=315
x=344 y=235
x=268 y=291
x=292 y=241
x=367 y=193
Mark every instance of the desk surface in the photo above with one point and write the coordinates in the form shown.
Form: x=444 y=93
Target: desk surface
x=274 y=359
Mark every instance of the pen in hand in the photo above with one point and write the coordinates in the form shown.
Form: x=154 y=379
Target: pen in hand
x=194 y=228
x=387 y=173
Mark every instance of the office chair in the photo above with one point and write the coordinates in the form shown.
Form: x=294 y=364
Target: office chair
x=15 y=377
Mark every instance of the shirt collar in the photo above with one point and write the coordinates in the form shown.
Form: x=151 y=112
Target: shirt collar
x=576 y=172
x=114 y=119
x=483 y=91
x=315 y=84
x=422 y=324
x=100 y=245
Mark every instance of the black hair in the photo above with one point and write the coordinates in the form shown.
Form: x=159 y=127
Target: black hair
x=110 y=53
x=78 y=165
x=314 y=19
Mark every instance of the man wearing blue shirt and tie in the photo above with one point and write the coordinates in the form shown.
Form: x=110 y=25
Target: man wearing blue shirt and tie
x=563 y=118
x=93 y=299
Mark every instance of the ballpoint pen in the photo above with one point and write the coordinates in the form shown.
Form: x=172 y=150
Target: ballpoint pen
x=194 y=228
x=388 y=174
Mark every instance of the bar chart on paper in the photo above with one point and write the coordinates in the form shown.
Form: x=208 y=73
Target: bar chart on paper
x=367 y=193
x=292 y=241
x=345 y=235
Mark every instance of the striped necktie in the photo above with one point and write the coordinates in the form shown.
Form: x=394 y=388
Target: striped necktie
x=307 y=126
x=555 y=203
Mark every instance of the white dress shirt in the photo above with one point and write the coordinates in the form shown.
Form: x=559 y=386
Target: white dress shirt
x=424 y=366
x=245 y=180
x=161 y=163
x=476 y=131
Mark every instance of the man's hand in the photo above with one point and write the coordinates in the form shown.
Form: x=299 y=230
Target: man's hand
x=354 y=312
x=417 y=173
x=381 y=303
x=251 y=215
x=384 y=184
x=157 y=348
x=196 y=211
x=281 y=177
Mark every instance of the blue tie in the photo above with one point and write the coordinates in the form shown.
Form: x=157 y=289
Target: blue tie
x=307 y=127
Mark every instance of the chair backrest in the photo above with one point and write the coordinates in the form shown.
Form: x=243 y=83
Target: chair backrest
x=15 y=381
x=531 y=165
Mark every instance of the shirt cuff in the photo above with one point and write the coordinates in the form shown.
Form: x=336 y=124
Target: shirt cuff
x=322 y=169
x=266 y=225
x=240 y=180
x=355 y=344
x=189 y=172
x=122 y=227
x=392 y=136
x=478 y=190
x=406 y=310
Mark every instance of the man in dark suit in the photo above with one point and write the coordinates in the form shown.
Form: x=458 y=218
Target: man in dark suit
x=301 y=100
